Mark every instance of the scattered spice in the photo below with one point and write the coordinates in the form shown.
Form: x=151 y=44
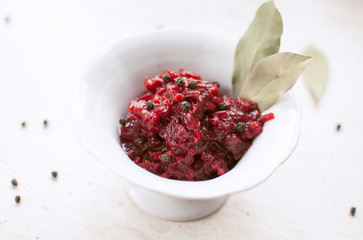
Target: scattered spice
x=7 y=19
x=54 y=174
x=352 y=211
x=150 y=105
x=222 y=106
x=185 y=106
x=23 y=124
x=192 y=84
x=180 y=82
x=122 y=121
x=14 y=182
x=338 y=127
x=241 y=126
x=17 y=199
x=45 y=123
x=165 y=77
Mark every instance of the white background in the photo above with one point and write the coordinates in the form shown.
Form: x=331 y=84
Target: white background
x=42 y=48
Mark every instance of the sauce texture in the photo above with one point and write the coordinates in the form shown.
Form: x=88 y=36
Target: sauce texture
x=181 y=129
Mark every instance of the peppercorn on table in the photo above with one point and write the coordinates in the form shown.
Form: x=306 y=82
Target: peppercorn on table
x=51 y=188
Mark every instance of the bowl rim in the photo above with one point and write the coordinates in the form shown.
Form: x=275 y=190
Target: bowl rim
x=177 y=194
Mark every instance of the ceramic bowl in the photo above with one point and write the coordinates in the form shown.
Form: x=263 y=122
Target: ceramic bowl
x=114 y=76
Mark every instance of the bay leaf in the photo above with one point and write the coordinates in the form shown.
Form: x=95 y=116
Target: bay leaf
x=272 y=77
x=261 y=39
x=315 y=75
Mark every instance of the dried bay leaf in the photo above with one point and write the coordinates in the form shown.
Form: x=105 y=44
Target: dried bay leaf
x=260 y=73
x=272 y=77
x=262 y=39
x=316 y=73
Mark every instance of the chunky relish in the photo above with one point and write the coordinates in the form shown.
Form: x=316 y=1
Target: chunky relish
x=181 y=129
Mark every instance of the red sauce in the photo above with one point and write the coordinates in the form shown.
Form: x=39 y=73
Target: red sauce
x=182 y=133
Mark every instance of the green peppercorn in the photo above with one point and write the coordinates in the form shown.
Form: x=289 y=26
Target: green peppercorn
x=150 y=105
x=180 y=82
x=122 y=122
x=185 y=106
x=165 y=158
x=192 y=84
x=241 y=126
x=216 y=83
x=222 y=106
x=165 y=76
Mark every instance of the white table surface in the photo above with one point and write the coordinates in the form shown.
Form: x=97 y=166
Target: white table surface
x=44 y=44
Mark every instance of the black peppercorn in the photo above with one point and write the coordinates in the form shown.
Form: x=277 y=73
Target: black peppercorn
x=180 y=82
x=165 y=158
x=241 y=126
x=14 y=182
x=45 y=123
x=165 y=77
x=17 y=199
x=150 y=105
x=352 y=211
x=216 y=83
x=23 y=124
x=54 y=174
x=122 y=122
x=222 y=106
x=192 y=84
x=338 y=127
x=185 y=106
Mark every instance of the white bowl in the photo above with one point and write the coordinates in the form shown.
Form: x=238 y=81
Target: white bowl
x=115 y=76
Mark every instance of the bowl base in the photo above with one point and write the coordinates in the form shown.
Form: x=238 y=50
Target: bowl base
x=171 y=208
